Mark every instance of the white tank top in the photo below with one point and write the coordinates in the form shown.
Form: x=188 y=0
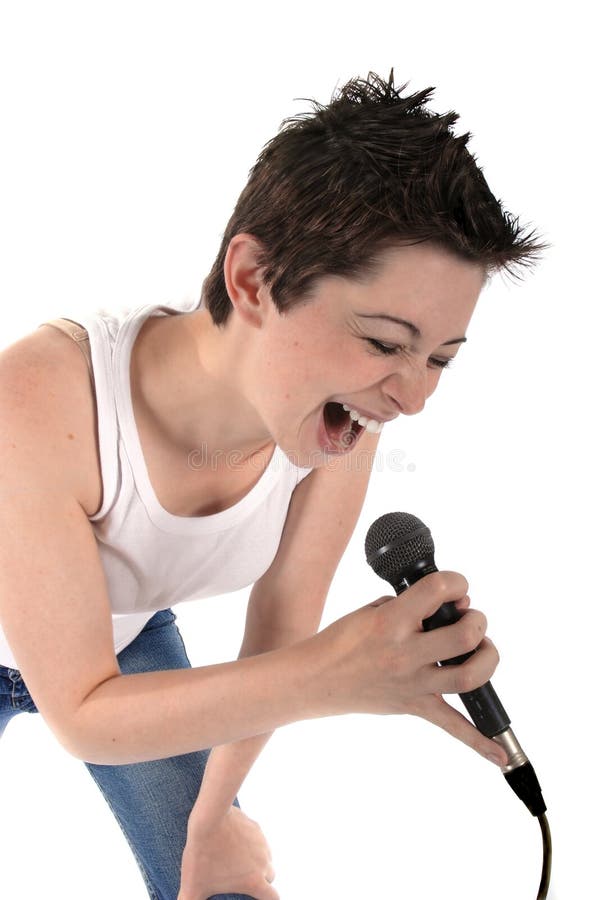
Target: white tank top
x=152 y=559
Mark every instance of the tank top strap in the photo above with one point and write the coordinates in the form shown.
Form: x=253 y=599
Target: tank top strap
x=79 y=334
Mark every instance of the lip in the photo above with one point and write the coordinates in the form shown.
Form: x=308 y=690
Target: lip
x=325 y=442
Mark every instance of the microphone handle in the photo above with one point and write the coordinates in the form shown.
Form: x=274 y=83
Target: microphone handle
x=483 y=704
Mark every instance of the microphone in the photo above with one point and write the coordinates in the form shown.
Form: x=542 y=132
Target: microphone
x=400 y=549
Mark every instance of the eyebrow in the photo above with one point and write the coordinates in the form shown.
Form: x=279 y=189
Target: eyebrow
x=410 y=325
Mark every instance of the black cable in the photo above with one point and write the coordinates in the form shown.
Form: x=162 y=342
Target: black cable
x=544 y=884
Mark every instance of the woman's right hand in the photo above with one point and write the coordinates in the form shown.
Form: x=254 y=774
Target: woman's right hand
x=383 y=662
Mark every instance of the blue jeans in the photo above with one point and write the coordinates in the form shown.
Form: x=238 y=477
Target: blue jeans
x=151 y=800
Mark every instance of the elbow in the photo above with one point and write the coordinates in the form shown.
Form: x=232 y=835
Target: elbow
x=73 y=739
x=69 y=739
x=87 y=736
x=98 y=750
x=75 y=746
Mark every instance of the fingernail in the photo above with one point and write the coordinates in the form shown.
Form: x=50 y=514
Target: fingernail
x=495 y=759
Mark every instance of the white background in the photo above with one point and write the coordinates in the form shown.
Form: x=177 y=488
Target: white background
x=127 y=134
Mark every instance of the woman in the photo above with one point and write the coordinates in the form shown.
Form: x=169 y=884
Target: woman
x=231 y=445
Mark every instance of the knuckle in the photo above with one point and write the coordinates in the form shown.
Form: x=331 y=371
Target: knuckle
x=491 y=650
x=463 y=582
x=476 y=625
x=449 y=583
x=440 y=583
x=495 y=658
x=471 y=636
x=465 y=680
x=476 y=671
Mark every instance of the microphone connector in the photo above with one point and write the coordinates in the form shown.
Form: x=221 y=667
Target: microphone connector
x=520 y=774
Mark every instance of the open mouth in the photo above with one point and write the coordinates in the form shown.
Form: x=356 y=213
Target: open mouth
x=341 y=429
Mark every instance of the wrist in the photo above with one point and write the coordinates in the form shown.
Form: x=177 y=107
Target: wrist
x=203 y=819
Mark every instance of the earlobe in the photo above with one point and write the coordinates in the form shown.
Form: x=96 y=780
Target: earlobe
x=244 y=278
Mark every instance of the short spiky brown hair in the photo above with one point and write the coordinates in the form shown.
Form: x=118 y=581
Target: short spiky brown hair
x=371 y=170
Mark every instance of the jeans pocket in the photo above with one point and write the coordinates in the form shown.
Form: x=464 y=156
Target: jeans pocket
x=20 y=696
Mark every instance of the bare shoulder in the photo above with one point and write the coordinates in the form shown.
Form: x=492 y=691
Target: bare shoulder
x=48 y=413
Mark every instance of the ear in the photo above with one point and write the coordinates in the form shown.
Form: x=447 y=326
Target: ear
x=244 y=279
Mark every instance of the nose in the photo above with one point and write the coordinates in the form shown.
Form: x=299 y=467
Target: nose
x=409 y=390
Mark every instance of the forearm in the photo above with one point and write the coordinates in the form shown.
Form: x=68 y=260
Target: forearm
x=229 y=764
x=154 y=715
x=226 y=769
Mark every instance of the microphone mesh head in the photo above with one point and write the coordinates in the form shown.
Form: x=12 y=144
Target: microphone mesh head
x=411 y=538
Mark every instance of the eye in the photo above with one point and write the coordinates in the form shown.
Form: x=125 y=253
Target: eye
x=389 y=349
x=385 y=349
x=440 y=363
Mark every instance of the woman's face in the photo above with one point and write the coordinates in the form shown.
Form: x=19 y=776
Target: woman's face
x=328 y=349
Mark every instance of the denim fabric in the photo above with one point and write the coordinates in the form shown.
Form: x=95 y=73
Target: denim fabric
x=151 y=801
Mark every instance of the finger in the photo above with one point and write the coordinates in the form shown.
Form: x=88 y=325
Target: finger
x=427 y=595
x=453 y=640
x=468 y=676
x=439 y=712
x=263 y=891
x=463 y=603
x=381 y=600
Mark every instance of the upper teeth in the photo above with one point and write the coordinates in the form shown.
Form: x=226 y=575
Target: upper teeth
x=370 y=424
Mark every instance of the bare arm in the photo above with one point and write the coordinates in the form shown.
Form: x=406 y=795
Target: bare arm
x=55 y=610
x=152 y=715
x=280 y=677
x=287 y=602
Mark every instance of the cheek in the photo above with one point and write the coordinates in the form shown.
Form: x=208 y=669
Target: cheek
x=282 y=364
x=433 y=381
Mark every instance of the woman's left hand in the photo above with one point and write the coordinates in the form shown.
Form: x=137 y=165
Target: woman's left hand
x=229 y=855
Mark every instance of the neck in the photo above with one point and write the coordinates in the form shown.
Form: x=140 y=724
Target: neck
x=187 y=379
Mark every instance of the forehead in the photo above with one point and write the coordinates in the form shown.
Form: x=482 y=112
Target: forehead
x=424 y=265
x=425 y=283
